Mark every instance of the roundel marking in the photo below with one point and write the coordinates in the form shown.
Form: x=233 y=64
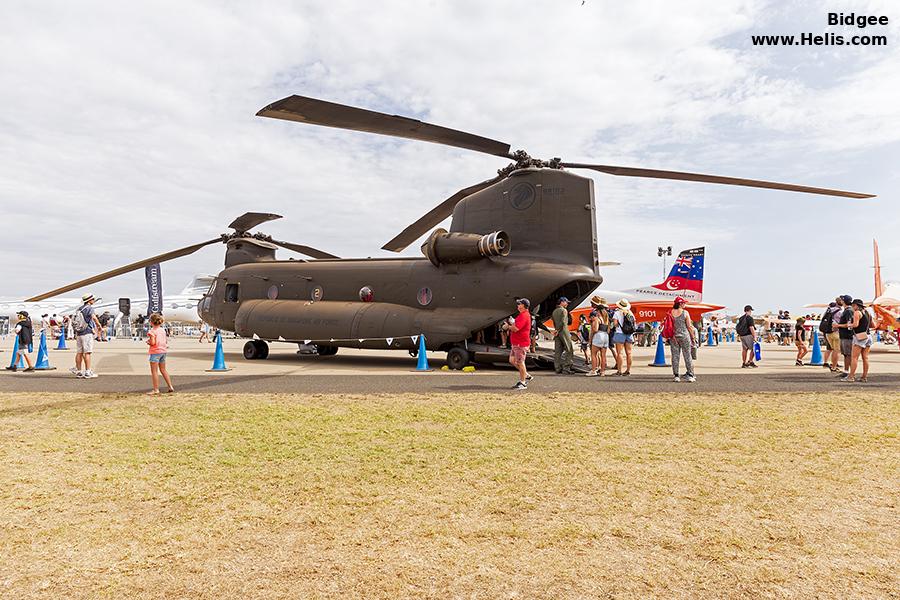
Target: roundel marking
x=424 y=296
x=272 y=292
x=522 y=195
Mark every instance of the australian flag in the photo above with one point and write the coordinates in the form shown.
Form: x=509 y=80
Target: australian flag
x=686 y=273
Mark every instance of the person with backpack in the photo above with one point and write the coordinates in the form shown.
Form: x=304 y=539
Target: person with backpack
x=85 y=323
x=623 y=338
x=678 y=330
x=584 y=337
x=563 y=350
x=746 y=329
x=832 y=341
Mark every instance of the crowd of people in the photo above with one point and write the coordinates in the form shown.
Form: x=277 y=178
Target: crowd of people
x=845 y=327
x=88 y=328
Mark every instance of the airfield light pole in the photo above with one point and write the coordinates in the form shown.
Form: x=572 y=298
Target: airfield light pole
x=663 y=253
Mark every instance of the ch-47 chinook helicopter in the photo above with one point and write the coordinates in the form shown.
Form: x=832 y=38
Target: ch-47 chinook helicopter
x=528 y=232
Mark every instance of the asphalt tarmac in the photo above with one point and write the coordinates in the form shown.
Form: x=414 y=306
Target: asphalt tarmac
x=445 y=383
x=122 y=366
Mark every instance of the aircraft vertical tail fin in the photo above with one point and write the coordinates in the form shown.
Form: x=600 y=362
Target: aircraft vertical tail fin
x=686 y=276
x=879 y=287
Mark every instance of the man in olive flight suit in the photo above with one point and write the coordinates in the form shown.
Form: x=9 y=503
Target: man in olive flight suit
x=562 y=340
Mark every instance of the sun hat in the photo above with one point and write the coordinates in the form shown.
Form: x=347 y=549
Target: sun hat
x=858 y=302
x=598 y=300
x=87 y=297
x=680 y=300
x=623 y=303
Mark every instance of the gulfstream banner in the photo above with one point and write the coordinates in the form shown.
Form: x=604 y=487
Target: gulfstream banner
x=154 y=288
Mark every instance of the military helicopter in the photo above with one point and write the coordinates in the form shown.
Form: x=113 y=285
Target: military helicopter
x=528 y=232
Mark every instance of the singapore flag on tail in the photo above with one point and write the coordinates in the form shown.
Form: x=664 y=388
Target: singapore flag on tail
x=686 y=274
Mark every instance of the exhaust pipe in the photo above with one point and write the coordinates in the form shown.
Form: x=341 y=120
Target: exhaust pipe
x=451 y=248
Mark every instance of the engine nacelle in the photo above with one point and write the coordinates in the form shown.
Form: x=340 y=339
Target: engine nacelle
x=448 y=248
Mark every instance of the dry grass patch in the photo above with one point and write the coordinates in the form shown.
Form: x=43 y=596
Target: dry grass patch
x=622 y=496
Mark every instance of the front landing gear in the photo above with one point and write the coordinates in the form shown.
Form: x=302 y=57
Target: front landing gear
x=256 y=350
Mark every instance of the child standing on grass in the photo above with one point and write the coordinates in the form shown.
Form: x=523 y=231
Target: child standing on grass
x=158 y=342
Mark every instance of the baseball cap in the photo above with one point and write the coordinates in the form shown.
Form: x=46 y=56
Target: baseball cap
x=524 y=301
x=832 y=304
x=847 y=299
x=858 y=302
x=748 y=307
x=680 y=300
x=24 y=313
x=562 y=299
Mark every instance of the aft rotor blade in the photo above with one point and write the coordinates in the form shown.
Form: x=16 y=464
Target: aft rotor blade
x=307 y=250
x=433 y=217
x=249 y=220
x=126 y=269
x=329 y=114
x=658 y=174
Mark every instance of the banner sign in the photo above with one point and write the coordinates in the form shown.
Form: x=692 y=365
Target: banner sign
x=153 y=275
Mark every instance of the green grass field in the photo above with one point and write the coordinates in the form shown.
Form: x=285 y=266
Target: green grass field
x=477 y=496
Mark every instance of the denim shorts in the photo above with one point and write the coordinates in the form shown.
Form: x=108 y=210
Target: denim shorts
x=158 y=358
x=867 y=342
x=601 y=340
x=621 y=338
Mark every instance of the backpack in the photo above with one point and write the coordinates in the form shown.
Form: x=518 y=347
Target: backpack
x=827 y=324
x=78 y=320
x=668 y=328
x=628 y=324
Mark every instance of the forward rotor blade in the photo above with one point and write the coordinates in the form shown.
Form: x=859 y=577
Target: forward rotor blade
x=433 y=217
x=608 y=263
x=307 y=250
x=249 y=220
x=329 y=114
x=658 y=174
x=126 y=269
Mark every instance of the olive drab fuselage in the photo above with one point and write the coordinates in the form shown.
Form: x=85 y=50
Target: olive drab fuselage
x=547 y=214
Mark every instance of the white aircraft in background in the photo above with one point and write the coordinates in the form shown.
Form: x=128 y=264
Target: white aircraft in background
x=180 y=307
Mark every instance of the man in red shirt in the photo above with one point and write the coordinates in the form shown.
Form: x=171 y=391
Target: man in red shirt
x=520 y=341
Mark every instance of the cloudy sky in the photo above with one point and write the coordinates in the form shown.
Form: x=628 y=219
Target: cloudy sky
x=128 y=129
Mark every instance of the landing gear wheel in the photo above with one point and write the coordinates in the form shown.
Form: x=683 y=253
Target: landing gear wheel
x=327 y=350
x=457 y=358
x=256 y=350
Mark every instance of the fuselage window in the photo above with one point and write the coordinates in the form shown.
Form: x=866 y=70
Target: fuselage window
x=231 y=292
